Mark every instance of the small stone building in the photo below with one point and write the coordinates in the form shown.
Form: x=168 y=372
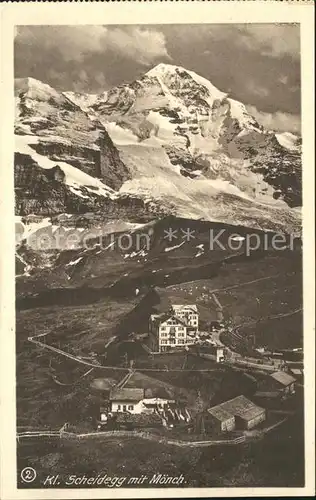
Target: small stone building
x=279 y=384
x=220 y=420
x=237 y=413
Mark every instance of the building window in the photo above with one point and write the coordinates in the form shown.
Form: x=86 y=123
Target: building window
x=118 y=407
x=130 y=407
x=164 y=334
x=172 y=341
x=164 y=341
x=172 y=322
x=180 y=334
x=163 y=328
x=180 y=341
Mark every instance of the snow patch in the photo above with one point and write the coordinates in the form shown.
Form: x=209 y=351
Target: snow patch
x=120 y=136
x=27 y=266
x=74 y=262
x=32 y=227
x=214 y=92
x=75 y=178
x=288 y=141
x=168 y=249
x=200 y=250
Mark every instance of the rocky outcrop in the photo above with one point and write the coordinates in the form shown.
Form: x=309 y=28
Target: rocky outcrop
x=44 y=192
x=80 y=156
x=65 y=133
x=111 y=168
x=37 y=190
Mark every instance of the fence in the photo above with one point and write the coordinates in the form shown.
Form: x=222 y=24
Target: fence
x=132 y=434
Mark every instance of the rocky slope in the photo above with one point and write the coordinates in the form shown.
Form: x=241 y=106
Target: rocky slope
x=172 y=123
x=127 y=259
x=57 y=142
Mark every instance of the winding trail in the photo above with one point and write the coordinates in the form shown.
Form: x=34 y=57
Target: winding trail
x=268 y=318
x=238 y=285
x=111 y=367
x=72 y=383
x=78 y=359
x=245 y=283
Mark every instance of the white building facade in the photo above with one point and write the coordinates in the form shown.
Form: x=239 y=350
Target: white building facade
x=127 y=400
x=189 y=314
x=132 y=400
x=174 y=329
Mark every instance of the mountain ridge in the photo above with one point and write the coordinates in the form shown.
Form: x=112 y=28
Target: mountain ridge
x=170 y=138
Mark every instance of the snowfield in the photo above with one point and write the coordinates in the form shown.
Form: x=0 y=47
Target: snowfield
x=26 y=230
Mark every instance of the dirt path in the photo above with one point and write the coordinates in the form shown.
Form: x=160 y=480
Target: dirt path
x=268 y=318
x=102 y=367
x=245 y=283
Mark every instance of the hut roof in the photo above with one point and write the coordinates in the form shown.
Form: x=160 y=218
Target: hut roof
x=127 y=394
x=238 y=407
x=283 y=378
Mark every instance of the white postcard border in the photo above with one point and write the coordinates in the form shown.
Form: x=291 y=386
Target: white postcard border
x=148 y=13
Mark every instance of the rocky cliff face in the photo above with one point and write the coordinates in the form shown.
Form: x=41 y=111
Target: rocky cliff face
x=44 y=192
x=37 y=190
x=57 y=129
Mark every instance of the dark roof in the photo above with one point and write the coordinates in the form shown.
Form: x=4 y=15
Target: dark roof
x=283 y=378
x=160 y=318
x=127 y=394
x=238 y=407
x=157 y=392
x=220 y=413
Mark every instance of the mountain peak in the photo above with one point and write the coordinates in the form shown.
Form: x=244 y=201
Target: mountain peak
x=163 y=67
x=169 y=74
x=36 y=89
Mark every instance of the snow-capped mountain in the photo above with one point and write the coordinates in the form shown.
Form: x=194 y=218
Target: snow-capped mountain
x=84 y=101
x=169 y=140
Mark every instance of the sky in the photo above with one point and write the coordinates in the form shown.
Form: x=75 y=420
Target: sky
x=257 y=64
